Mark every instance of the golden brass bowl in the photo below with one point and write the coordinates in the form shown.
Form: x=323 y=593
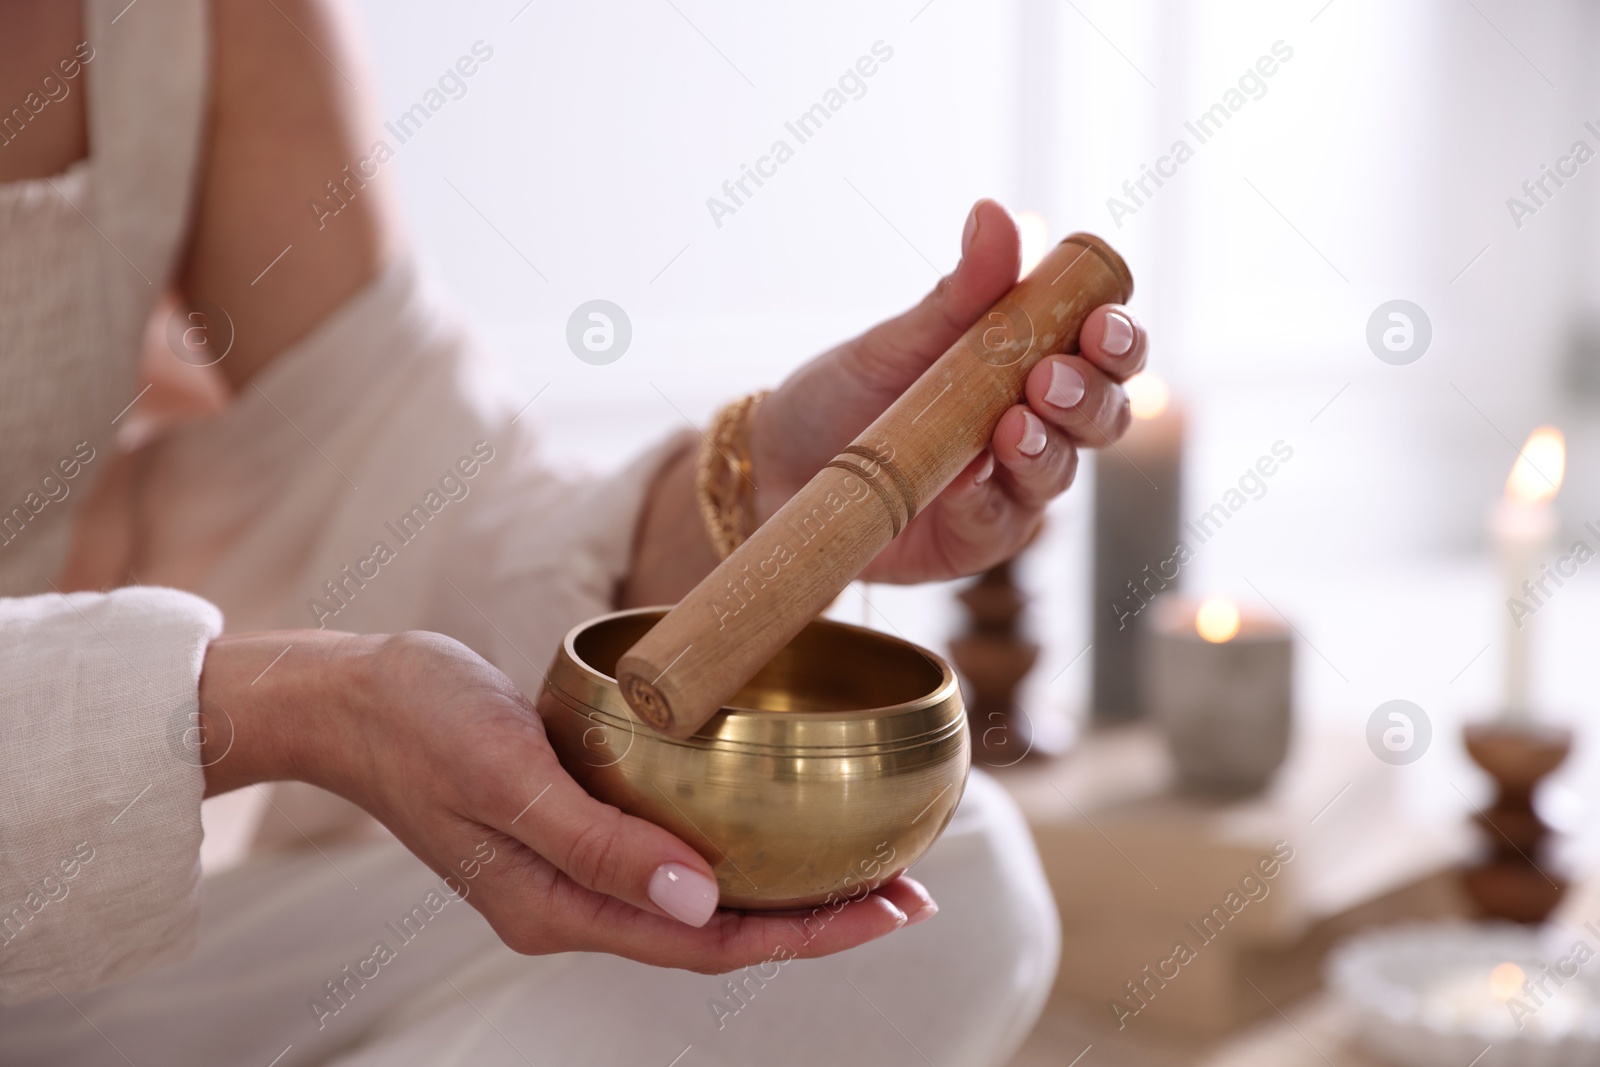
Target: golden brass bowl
x=832 y=771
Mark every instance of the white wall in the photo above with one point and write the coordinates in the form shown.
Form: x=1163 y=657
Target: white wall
x=597 y=132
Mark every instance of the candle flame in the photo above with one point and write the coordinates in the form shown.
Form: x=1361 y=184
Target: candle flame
x=1035 y=233
x=1506 y=981
x=1148 y=395
x=1537 y=474
x=1217 y=620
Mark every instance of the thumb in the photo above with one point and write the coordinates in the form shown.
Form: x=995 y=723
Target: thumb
x=613 y=853
x=893 y=353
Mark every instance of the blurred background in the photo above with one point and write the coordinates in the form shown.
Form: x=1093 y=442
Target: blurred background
x=1376 y=163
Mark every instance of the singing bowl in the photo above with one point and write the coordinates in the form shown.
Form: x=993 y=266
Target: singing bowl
x=832 y=771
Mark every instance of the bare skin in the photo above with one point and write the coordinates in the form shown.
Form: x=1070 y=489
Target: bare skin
x=38 y=35
x=417 y=729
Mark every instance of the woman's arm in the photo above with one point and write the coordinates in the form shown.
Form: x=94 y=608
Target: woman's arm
x=284 y=122
x=672 y=550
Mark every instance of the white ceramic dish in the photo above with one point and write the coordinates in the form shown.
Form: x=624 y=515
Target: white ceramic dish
x=1450 y=994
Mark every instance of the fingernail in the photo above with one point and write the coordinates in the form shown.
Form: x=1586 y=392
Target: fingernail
x=1033 y=439
x=684 y=893
x=984 y=471
x=1118 y=337
x=927 y=911
x=1066 y=385
x=971 y=229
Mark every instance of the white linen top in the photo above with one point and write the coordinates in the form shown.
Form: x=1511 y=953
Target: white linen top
x=372 y=478
x=83 y=258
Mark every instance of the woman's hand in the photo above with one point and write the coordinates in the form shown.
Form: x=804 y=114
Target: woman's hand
x=443 y=750
x=994 y=506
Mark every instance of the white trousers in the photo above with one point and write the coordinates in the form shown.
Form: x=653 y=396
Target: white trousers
x=960 y=990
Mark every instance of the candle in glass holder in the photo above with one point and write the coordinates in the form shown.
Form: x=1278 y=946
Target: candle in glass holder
x=1523 y=527
x=1138 y=488
x=1498 y=1004
x=1220 y=681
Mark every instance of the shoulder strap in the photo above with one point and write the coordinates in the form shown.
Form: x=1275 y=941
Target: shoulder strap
x=146 y=79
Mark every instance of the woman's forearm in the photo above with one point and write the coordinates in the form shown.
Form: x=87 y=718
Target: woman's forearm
x=272 y=705
x=672 y=550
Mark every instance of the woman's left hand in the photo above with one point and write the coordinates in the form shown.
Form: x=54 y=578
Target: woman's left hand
x=996 y=504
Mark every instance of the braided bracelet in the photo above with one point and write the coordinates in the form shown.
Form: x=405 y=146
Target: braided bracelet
x=723 y=485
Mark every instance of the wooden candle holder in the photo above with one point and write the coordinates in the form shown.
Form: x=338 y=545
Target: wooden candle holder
x=685 y=668
x=994 y=657
x=1514 y=880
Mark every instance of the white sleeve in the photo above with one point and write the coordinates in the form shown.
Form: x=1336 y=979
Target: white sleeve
x=100 y=785
x=381 y=475
x=543 y=554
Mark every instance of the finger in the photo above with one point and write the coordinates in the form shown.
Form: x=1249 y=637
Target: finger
x=540 y=911
x=602 y=849
x=1113 y=339
x=971 y=526
x=911 y=897
x=737 y=939
x=979 y=471
x=991 y=258
x=1036 y=461
x=1073 y=394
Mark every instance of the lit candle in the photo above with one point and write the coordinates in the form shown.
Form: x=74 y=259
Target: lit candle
x=1220 y=681
x=1523 y=527
x=1138 y=491
x=1499 y=1004
x=1035 y=234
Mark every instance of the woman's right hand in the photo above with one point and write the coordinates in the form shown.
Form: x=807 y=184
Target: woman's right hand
x=441 y=748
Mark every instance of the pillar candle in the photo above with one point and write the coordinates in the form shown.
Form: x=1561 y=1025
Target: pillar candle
x=1138 y=491
x=1220 y=682
x=1523 y=527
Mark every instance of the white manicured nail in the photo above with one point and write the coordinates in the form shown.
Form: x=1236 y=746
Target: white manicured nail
x=1066 y=385
x=1118 y=338
x=684 y=893
x=1033 y=439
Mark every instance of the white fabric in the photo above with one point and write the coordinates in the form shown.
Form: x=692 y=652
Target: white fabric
x=960 y=990
x=325 y=456
x=84 y=256
x=99 y=803
x=99 y=827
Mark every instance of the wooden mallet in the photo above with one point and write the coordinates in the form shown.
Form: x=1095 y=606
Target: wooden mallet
x=787 y=572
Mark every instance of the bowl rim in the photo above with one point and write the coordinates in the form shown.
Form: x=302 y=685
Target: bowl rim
x=734 y=717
